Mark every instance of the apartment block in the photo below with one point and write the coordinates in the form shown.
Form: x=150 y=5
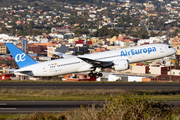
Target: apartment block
x=3 y=48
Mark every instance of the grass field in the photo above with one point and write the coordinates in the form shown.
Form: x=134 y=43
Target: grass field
x=83 y=94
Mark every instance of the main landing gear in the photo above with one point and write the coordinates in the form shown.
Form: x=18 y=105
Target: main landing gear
x=96 y=73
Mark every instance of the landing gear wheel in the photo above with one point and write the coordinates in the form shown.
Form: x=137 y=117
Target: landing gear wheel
x=100 y=74
x=90 y=74
x=95 y=75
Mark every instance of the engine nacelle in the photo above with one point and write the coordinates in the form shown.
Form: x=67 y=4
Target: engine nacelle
x=121 y=64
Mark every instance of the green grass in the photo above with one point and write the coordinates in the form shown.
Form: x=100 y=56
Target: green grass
x=83 y=94
x=8 y=116
x=82 y=97
x=163 y=97
x=49 y=98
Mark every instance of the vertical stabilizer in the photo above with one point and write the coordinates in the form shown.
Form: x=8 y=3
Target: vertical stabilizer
x=19 y=56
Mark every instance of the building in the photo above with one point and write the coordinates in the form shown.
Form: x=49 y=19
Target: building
x=100 y=49
x=128 y=78
x=5 y=76
x=158 y=69
x=63 y=49
x=3 y=49
x=60 y=29
x=37 y=49
x=24 y=45
x=134 y=79
x=78 y=77
x=175 y=72
x=57 y=48
x=140 y=69
x=126 y=1
x=81 y=42
x=177 y=47
x=79 y=50
x=166 y=78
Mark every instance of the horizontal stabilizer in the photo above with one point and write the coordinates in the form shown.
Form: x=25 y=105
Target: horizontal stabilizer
x=25 y=72
x=11 y=70
x=60 y=54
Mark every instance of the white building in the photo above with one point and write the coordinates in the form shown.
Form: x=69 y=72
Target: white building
x=139 y=69
x=54 y=35
x=174 y=72
x=150 y=40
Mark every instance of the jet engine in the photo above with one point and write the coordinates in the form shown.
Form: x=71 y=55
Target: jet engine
x=121 y=64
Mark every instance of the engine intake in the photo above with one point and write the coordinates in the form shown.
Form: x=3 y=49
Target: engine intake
x=121 y=64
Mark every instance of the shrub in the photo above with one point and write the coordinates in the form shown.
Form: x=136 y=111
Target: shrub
x=125 y=107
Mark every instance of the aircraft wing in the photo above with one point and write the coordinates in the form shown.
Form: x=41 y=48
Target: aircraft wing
x=60 y=54
x=97 y=63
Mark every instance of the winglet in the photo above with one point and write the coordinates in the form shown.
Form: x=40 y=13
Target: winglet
x=19 y=56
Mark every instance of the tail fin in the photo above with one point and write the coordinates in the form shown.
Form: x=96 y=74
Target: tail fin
x=19 y=56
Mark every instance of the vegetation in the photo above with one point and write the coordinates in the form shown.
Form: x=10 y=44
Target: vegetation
x=142 y=33
x=11 y=63
x=82 y=94
x=121 y=107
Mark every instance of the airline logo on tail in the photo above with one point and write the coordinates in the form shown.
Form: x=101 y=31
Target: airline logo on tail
x=20 y=57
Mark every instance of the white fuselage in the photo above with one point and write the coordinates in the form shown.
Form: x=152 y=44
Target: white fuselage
x=74 y=64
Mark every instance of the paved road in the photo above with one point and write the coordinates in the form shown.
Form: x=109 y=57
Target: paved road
x=15 y=107
x=93 y=85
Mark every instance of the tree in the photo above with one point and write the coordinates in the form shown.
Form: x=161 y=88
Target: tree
x=12 y=31
x=80 y=53
x=31 y=24
x=176 y=64
x=152 y=34
x=174 y=32
x=160 y=33
x=142 y=33
x=55 y=56
x=151 y=19
x=80 y=32
x=4 y=29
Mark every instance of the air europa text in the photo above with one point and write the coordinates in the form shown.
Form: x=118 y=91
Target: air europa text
x=138 y=51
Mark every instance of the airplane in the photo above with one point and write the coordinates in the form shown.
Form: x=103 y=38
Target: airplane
x=118 y=60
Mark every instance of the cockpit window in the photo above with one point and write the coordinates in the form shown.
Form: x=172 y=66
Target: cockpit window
x=169 y=46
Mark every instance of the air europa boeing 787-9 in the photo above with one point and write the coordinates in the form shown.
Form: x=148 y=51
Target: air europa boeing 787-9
x=118 y=59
